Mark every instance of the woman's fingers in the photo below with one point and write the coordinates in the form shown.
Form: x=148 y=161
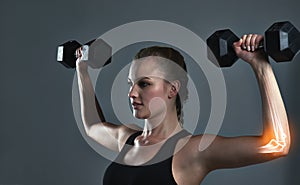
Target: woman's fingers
x=79 y=52
x=244 y=44
x=258 y=40
x=250 y=42
x=253 y=42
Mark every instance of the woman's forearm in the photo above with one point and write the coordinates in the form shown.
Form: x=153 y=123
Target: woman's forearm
x=90 y=110
x=276 y=134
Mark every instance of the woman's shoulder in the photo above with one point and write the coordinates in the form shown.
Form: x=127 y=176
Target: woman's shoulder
x=195 y=145
x=189 y=158
x=125 y=131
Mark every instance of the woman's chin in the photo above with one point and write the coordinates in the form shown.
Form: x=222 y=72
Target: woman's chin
x=141 y=116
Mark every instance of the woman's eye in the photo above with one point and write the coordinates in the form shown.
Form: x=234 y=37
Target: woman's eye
x=143 y=84
x=130 y=83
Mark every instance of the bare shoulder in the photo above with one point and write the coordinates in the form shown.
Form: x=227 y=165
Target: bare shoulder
x=125 y=131
x=188 y=165
x=199 y=147
x=194 y=150
x=190 y=146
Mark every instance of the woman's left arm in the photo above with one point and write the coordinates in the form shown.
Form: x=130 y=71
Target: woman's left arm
x=274 y=142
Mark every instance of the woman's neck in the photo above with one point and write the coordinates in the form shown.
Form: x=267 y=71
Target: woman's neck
x=162 y=126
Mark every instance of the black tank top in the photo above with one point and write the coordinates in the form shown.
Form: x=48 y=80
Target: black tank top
x=150 y=173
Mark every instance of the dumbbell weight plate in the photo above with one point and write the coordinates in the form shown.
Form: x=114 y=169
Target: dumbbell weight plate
x=220 y=50
x=282 y=41
x=66 y=53
x=97 y=53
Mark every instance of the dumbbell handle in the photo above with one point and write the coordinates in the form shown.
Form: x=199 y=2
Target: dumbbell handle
x=85 y=50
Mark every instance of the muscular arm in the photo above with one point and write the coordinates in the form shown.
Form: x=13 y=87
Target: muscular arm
x=107 y=134
x=276 y=133
x=275 y=139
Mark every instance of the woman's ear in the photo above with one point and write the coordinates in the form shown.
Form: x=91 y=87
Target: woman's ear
x=175 y=86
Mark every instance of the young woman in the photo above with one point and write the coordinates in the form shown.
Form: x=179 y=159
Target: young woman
x=163 y=152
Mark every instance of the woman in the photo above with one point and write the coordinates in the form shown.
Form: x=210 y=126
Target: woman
x=164 y=153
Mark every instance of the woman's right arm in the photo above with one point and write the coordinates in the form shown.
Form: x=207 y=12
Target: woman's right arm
x=107 y=134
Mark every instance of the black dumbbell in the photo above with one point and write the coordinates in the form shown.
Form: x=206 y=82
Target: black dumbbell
x=96 y=52
x=282 y=42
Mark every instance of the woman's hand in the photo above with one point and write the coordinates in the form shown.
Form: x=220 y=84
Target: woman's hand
x=81 y=66
x=247 y=48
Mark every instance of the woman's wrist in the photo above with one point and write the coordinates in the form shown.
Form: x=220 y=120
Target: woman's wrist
x=82 y=68
x=260 y=66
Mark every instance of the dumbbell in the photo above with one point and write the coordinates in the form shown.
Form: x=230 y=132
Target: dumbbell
x=281 y=42
x=97 y=53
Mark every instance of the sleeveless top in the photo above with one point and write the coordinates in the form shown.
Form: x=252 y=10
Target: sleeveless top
x=153 y=172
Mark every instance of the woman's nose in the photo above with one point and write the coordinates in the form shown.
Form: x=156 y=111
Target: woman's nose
x=133 y=92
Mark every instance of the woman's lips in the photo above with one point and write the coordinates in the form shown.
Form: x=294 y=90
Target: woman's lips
x=136 y=105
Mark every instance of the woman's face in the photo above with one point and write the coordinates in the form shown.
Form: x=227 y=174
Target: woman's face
x=149 y=92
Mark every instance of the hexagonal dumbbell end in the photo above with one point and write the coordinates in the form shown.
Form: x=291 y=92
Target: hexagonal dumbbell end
x=97 y=53
x=282 y=41
x=220 y=50
x=66 y=53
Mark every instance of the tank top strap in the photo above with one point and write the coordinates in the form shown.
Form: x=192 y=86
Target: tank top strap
x=130 y=140
x=128 y=144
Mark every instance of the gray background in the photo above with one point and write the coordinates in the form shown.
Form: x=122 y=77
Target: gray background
x=40 y=142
